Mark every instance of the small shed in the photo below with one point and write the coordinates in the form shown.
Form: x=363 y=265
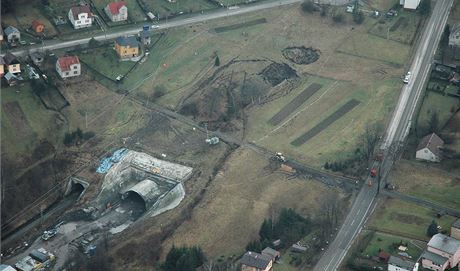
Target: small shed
x=298 y=248
x=144 y=35
x=11 y=79
x=384 y=256
x=38 y=26
x=274 y=254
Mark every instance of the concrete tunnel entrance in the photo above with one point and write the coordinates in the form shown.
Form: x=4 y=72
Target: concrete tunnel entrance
x=134 y=203
x=76 y=186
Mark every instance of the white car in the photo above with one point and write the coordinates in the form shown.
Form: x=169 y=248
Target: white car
x=155 y=26
x=407 y=78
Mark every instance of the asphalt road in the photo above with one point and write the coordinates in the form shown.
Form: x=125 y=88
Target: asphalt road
x=222 y=13
x=397 y=131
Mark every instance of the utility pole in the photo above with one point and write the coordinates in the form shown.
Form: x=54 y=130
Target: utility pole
x=86 y=119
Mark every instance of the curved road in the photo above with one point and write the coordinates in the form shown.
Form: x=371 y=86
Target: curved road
x=397 y=131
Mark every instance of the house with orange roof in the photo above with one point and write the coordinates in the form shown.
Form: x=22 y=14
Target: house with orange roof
x=117 y=11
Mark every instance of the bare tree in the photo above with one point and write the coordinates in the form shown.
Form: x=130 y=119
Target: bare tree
x=329 y=213
x=371 y=137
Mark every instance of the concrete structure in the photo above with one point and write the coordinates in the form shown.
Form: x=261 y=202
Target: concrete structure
x=68 y=66
x=127 y=47
x=442 y=252
x=455 y=230
x=12 y=34
x=156 y=182
x=429 y=148
x=80 y=17
x=401 y=264
x=252 y=261
x=117 y=11
x=12 y=63
x=454 y=37
x=409 y=4
x=37 y=26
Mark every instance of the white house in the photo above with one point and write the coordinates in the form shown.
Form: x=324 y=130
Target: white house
x=80 y=17
x=68 y=66
x=409 y=4
x=401 y=264
x=429 y=148
x=117 y=11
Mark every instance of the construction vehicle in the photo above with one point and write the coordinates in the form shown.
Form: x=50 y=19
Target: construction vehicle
x=49 y=234
x=280 y=157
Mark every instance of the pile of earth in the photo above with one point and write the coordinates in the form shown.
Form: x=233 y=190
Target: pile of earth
x=301 y=55
x=276 y=73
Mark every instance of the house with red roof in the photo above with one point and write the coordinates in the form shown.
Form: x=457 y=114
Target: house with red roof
x=117 y=11
x=68 y=66
x=80 y=17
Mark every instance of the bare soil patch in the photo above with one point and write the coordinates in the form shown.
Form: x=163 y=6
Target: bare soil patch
x=326 y=122
x=294 y=104
x=240 y=25
x=301 y=55
x=276 y=73
x=17 y=118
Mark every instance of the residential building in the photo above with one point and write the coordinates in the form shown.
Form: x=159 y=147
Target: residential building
x=37 y=58
x=429 y=148
x=117 y=11
x=454 y=37
x=38 y=27
x=442 y=252
x=409 y=4
x=68 y=66
x=12 y=63
x=127 y=47
x=2 y=66
x=80 y=17
x=11 y=79
x=401 y=264
x=12 y=34
x=455 y=230
x=274 y=254
x=384 y=256
x=252 y=261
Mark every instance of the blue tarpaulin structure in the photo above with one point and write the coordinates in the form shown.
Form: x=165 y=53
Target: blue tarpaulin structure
x=107 y=162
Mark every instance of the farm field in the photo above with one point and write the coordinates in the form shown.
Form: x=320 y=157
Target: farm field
x=166 y=9
x=428 y=183
x=406 y=219
x=238 y=200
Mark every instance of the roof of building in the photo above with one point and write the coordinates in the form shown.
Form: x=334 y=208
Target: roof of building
x=80 y=9
x=144 y=34
x=456 y=224
x=9 y=76
x=384 y=255
x=39 y=256
x=66 y=61
x=432 y=142
x=2 y=61
x=270 y=252
x=4 y=267
x=9 y=58
x=256 y=260
x=130 y=41
x=114 y=7
x=435 y=258
x=444 y=243
x=10 y=29
x=36 y=23
x=400 y=262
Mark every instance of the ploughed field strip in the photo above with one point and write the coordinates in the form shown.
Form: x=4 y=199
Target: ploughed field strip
x=326 y=122
x=240 y=25
x=294 y=104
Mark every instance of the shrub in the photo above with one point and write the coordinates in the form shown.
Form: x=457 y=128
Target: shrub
x=338 y=18
x=159 y=91
x=358 y=17
x=308 y=6
x=190 y=109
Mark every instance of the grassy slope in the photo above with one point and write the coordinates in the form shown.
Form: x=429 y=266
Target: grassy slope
x=385 y=242
x=406 y=219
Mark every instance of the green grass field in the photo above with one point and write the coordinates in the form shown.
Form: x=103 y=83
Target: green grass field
x=406 y=219
x=376 y=48
x=382 y=241
x=18 y=144
x=165 y=8
x=408 y=23
x=435 y=102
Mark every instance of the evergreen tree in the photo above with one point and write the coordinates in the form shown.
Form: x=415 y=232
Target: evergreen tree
x=217 y=61
x=266 y=230
x=425 y=7
x=432 y=229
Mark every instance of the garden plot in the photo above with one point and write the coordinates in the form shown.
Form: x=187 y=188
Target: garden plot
x=401 y=29
x=240 y=25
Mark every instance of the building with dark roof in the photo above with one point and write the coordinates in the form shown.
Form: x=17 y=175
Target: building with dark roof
x=12 y=63
x=252 y=261
x=429 y=148
x=401 y=264
x=442 y=252
x=455 y=230
x=12 y=34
